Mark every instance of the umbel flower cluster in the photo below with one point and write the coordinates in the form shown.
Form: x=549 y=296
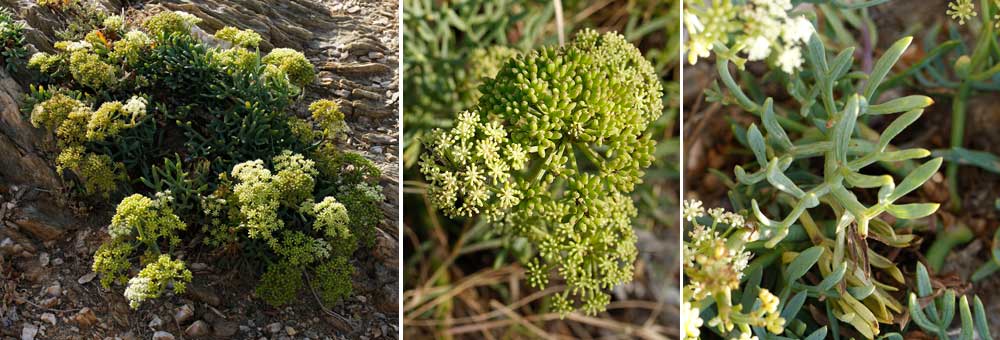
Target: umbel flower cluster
x=715 y=261
x=758 y=29
x=549 y=154
x=202 y=134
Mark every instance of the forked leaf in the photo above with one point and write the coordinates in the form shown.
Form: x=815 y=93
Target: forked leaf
x=819 y=334
x=902 y=155
x=793 y=305
x=917 y=314
x=966 y=314
x=833 y=278
x=916 y=178
x=842 y=63
x=947 y=308
x=844 y=129
x=912 y=210
x=902 y=104
x=801 y=264
x=896 y=127
x=923 y=281
x=884 y=65
x=781 y=182
x=774 y=130
x=979 y=314
x=757 y=144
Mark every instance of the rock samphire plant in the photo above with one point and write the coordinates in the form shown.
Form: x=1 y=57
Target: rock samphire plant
x=818 y=235
x=12 y=44
x=549 y=154
x=199 y=134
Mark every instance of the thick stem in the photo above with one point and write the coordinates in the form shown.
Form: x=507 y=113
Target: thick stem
x=957 y=136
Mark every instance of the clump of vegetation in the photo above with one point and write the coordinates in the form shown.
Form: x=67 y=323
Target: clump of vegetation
x=13 y=50
x=549 y=154
x=203 y=136
x=840 y=191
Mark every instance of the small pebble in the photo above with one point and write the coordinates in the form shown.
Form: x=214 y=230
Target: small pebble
x=163 y=335
x=29 y=331
x=50 y=318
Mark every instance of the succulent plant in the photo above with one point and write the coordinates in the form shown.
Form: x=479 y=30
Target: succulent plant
x=549 y=154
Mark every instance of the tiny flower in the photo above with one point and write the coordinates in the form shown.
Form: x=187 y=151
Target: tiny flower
x=961 y=10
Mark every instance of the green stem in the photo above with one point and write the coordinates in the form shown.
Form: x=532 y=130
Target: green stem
x=947 y=240
x=987 y=269
x=957 y=135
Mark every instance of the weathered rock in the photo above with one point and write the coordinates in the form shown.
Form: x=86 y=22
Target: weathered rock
x=163 y=335
x=291 y=331
x=198 y=329
x=54 y=290
x=203 y=294
x=85 y=318
x=86 y=278
x=183 y=313
x=274 y=328
x=156 y=323
x=45 y=221
x=29 y=331
x=50 y=318
x=356 y=70
x=225 y=328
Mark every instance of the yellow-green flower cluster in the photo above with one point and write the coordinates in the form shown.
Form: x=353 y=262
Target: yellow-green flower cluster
x=961 y=10
x=89 y=70
x=154 y=279
x=75 y=124
x=244 y=38
x=170 y=22
x=258 y=199
x=759 y=29
x=112 y=261
x=715 y=258
x=327 y=115
x=150 y=220
x=131 y=46
x=553 y=148
x=293 y=64
x=295 y=177
x=469 y=168
x=331 y=218
x=114 y=22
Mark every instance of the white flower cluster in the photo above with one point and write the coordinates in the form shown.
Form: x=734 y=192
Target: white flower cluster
x=78 y=45
x=135 y=106
x=140 y=289
x=761 y=29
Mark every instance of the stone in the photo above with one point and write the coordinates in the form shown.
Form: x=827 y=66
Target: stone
x=86 y=278
x=197 y=329
x=291 y=331
x=57 y=261
x=156 y=323
x=183 y=313
x=45 y=221
x=29 y=331
x=130 y=335
x=43 y=259
x=225 y=328
x=203 y=294
x=50 y=318
x=85 y=318
x=55 y=290
x=49 y=302
x=274 y=328
x=163 y=335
